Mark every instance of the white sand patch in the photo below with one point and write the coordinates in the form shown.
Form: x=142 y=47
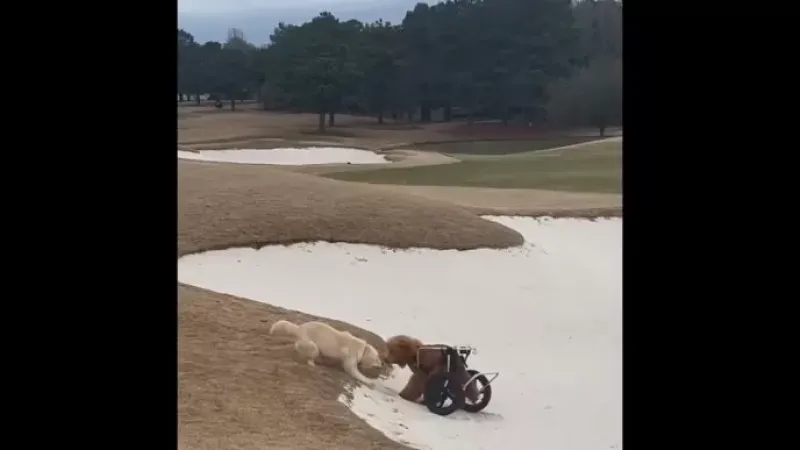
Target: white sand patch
x=288 y=156
x=547 y=315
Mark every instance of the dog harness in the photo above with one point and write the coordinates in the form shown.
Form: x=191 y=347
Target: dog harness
x=415 y=367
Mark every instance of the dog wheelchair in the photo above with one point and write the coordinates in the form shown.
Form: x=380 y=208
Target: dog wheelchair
x=444 y=386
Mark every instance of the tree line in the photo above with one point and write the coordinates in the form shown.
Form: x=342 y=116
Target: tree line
x=512 y=60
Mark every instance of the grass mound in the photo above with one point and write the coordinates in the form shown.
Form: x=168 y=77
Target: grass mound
x=240 y=389
x=226 y=205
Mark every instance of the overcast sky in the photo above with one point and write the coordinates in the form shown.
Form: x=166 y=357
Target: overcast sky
x=211 y=19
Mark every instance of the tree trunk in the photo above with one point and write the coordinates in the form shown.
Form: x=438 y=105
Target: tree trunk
x=180 y=97
x=602 y=131
x=321 y=125
x=331 y=119
x=233 y=104
x=506 y=114
x=530 y=116
x=197 y=99
x=448 y=113
x=425 y=113
x=380 y=117
x=425 y=104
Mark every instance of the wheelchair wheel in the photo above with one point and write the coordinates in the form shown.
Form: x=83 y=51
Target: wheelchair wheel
x=443 y=395
x=483 y=399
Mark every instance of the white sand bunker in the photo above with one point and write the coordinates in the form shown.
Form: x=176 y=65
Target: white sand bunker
x=547 y=315
x=288 y=156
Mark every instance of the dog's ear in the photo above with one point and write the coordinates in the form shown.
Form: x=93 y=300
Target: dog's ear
x=411 y=349
x=391 y=350
x=406 y=348
x=396 y=351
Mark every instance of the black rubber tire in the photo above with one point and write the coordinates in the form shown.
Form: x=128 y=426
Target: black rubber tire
x=485 y=397
x=439 y=388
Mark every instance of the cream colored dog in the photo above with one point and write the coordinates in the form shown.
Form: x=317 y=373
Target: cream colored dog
x=315 y=338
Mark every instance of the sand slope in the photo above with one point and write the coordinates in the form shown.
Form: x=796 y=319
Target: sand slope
x=557 y=300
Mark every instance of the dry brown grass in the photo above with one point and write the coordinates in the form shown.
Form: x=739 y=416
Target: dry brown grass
x=241 y=389
x=227 y=205
x=249 y=127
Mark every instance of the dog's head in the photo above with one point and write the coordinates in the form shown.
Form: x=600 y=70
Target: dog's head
x=370 y=359
x=402 y=350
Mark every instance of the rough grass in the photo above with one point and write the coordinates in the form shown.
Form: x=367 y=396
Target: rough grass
x=501 y=147
x=594 y=168
x=239 y=388
x=226 y=205
x=206 y=126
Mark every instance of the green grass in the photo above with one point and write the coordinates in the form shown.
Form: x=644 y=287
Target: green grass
x=501 y=147
x=595 y=168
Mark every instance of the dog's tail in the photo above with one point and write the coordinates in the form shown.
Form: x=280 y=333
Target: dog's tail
x=284 y=328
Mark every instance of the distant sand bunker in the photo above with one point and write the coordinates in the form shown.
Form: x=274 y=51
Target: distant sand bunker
x=288 y=156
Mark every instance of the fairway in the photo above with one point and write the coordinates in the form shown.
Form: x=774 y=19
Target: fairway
x=593 y=168
x=502 y=147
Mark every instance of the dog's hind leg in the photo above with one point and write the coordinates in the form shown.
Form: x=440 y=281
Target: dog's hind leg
x=308 y=349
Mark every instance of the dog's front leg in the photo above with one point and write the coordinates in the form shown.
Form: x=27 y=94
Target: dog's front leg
x=414 y=387
x=350 y=365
